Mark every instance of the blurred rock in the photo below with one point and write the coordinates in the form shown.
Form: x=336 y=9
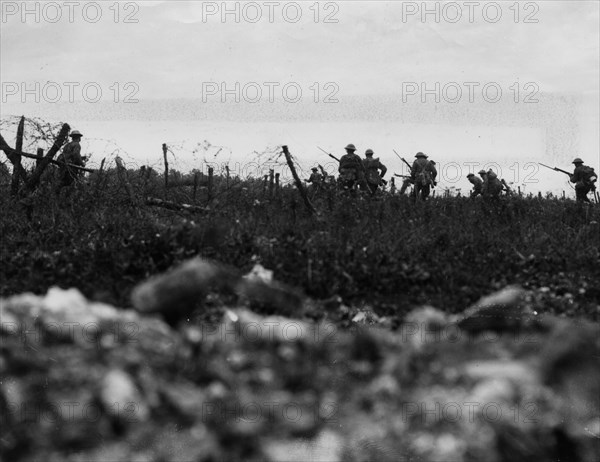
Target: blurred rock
x=245 y=326
x=500 y=311
x=326 y=447
x=121 y=398
x=423 y=326
x=177 y=292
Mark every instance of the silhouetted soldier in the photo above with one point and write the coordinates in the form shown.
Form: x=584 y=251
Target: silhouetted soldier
x=422 y=174
x=477 y=185
x=584 y=178
x=71 y=155
x=350 y=169
x=372 y=167
x=492 y=186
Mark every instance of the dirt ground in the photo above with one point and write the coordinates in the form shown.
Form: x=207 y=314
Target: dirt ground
x=207 y=366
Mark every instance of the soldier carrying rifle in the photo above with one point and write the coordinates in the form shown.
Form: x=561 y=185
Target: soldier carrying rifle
x=583 y=176
x=423 y=174
x=372 y=167
x=71 y=155
x=351 y=169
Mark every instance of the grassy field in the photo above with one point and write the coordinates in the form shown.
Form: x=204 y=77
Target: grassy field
x=386 y=252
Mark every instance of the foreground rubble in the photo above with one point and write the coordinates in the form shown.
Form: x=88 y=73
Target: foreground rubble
x=84 y=381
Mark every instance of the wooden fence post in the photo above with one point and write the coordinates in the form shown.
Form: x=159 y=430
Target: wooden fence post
x=210 y=183
x=40 y=155
x=288 y=158
x=164 y=148
x=519 y=189
x=271 y=182
x=393 y=186
x=195 y=186
x=277 y=183
x=122 y=174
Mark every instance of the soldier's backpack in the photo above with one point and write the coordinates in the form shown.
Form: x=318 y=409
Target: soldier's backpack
x=424 y=176
x=588 y=174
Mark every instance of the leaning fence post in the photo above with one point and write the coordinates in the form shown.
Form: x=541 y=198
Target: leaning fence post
x=122 y=173
x=288 y=158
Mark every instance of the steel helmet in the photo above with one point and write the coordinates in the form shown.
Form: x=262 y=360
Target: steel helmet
x=314 y=169
x=75 y=133
x=420 y=154
x=482 y=172
x=577 y=161
x=369 y=152
x=350 y=147
x=470 y=175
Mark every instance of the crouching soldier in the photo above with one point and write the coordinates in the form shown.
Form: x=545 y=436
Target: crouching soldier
x=372 y=166
x=584 y=178
x=492 y=185
x=477 y=185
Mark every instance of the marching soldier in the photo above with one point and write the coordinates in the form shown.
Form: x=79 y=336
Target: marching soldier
x=350 y=169
x=422 y=175
x=477 y=185
x=71 y=155
x=584 y=178
x=372 y=166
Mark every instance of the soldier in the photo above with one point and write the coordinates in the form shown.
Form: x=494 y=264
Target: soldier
x=315 y=177
x=71 y=155
x=584 y=178
x=350 y=169
x=372 y=166
x=492 y=186
x=477 y=185
x=422 y=175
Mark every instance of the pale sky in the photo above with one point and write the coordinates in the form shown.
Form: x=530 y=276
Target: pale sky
x=366 y=55
x=373 y=47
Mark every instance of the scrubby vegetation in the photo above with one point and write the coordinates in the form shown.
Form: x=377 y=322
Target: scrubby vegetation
x=385 y=251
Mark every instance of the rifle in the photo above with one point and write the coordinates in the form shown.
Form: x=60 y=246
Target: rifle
x=330 y=155
x=401 y=176
x=403 y=160
x=555 y=168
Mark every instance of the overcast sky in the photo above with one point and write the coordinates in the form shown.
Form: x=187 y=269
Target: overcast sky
x=372 y=48
x=374 y=58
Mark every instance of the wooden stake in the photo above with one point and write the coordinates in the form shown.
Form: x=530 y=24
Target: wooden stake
x=210 y=183
x=271 y=182
x=164 y=148
x=288 y=158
